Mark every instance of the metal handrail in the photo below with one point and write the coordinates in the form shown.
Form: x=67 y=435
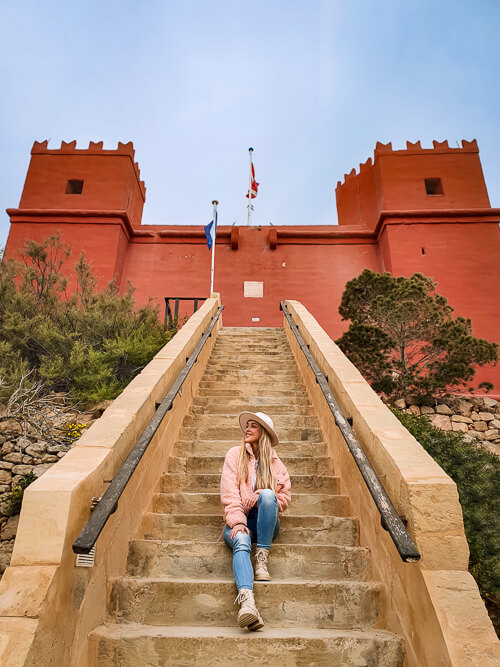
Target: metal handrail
x=391 y=520
x=171 y=320
x=109 y=502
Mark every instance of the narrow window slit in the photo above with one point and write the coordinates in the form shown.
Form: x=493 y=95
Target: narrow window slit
x=433 y=186
x=74 y=187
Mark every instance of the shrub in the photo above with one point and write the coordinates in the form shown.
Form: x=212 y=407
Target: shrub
x=14 y=499
x=476 y=473
x=89 y=344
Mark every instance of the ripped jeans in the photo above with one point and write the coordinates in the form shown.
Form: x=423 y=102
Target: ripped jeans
x=264 y=526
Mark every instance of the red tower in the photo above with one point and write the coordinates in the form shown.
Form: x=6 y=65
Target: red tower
x=93 y=197
x=431 y=213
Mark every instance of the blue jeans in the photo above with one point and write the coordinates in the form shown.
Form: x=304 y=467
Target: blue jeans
x=264 y=526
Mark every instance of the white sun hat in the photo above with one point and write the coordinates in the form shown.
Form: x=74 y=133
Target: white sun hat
x=261 y=418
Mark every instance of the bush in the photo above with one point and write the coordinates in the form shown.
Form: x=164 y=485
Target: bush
x=476 y=473
x=14 y=499
x=90 y=343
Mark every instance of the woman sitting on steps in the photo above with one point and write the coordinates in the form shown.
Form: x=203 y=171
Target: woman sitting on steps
x=255 y=491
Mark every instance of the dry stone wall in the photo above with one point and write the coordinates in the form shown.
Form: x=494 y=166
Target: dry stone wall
x=478 y=418
x=25 y=454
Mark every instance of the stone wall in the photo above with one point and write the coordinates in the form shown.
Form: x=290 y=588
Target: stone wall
x=476 y=417
x=21 y=455
x=437 y=596
x=41 y=586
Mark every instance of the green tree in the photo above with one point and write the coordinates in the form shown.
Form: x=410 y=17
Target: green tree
x=90 y=343
x=404 y=339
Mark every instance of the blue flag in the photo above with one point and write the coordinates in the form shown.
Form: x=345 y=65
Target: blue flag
x=210 y=232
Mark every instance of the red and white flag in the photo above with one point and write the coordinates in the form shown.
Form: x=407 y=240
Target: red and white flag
x=253 y=183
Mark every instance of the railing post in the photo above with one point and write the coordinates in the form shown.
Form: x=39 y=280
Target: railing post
x=176 y=312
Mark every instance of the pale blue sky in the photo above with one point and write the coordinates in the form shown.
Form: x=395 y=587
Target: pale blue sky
x=311 y=85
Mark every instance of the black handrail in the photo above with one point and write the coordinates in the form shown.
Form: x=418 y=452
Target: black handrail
x=109 y=502
x=391 y=520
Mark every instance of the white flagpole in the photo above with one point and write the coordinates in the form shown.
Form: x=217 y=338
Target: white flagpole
x=214 y=233
x=249 y=220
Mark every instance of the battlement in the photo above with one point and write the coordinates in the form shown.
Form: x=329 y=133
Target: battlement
x=94 y=148
x=412 y=179
x=438 y=147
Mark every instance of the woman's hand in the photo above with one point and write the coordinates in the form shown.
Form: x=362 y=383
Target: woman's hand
x=251 y=501
x=239 y=528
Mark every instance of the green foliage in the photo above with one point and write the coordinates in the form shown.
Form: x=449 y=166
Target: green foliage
x=476 y=473
x=14 y=499
x=90 y=343
x=404 y=339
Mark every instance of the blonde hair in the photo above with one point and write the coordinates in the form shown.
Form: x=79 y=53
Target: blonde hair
x=266 y=478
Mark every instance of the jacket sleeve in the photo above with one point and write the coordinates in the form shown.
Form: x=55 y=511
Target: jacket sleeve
x=230 y=492
x=283 y=494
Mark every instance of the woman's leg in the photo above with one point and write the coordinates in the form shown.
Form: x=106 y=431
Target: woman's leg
x=267 y=519
x=242 y=567
x=248 y=615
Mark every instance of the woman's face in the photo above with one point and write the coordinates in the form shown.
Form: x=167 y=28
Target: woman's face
x=252 y=432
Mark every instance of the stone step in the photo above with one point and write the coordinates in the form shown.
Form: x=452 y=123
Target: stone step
x=210 y=503
x=254 y=332
x=213 y=560
x=246 y=345
x=266 y=392
x=185 y=448
x=174 y=482
x=246 y=349
x=264 y=355
x=282 y=422
x=233 y=434
x=209 y=602
x=253 y=378
x=259 y=381
x=311 y=530
x=231 y=364
x=222 y=408
x=240 y=403
x=134 y=645
x=253 y=335
x=296 y=465
x=261 y=354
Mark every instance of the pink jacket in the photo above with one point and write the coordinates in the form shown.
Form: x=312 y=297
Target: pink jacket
x=232 y=495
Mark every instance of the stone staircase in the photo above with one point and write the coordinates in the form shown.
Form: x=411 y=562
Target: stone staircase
x=175 y=604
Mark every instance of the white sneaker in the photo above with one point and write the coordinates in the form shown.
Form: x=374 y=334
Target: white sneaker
x=261 y=571
x=248 y=615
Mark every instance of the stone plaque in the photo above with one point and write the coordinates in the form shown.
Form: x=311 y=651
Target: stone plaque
x=254 y=290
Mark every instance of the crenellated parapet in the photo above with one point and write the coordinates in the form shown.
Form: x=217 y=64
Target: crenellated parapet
x=416 y=178
x=437 y=146
x=95 y=148
x=412 y=148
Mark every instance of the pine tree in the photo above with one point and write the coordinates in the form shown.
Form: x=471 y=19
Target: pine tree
x=404 y=339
